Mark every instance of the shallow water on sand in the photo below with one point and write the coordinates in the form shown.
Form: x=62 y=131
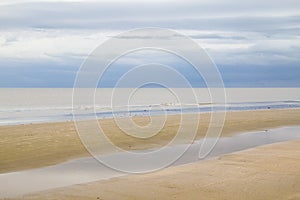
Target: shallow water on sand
x=87 y=169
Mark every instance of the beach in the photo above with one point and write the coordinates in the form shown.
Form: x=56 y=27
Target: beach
x=34 y=146
x=38 y=145
x=160 y=100
x=267 y=172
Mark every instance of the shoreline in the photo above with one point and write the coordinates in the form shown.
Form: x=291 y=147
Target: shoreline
x=139 y=116
x=39 y=145
x=172 y=112
x=67 y=115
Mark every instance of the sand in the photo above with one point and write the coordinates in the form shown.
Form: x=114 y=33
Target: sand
x=37 y=145
x=266 y=172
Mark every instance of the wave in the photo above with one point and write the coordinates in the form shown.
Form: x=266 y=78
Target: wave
x=65 y=113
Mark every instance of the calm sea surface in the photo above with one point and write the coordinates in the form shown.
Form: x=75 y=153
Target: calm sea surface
x=22 y=106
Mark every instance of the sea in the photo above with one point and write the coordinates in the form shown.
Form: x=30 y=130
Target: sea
x=39 y=105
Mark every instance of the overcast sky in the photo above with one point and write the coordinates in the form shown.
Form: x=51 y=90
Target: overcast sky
x=254 y=43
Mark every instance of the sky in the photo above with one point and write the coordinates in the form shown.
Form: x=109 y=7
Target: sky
x=253 y=43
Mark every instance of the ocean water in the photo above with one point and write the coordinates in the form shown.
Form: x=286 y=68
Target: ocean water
x=23 y=106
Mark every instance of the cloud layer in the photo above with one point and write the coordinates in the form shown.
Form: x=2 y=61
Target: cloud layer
x=239 y=35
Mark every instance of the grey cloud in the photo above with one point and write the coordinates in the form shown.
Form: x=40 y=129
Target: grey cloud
x=217 y=36
x=145 y=36
x=255 y=22
x=259 y=54
x=74 y=57
x=190 y=15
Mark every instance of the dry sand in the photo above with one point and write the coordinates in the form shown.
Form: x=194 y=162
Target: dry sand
x=37 y=145
x=267 y=172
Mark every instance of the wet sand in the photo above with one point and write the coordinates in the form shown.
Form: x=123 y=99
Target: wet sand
x=87 y=169
x=37 y=145
x=267 y=172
